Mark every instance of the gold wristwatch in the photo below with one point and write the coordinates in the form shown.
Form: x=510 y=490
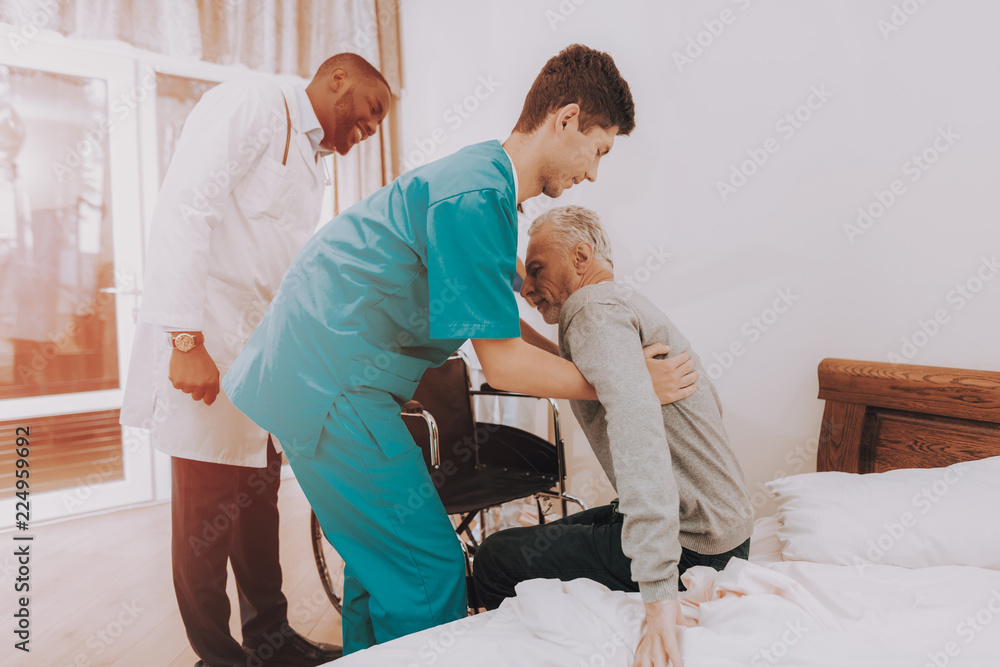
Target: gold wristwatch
x=185 y=342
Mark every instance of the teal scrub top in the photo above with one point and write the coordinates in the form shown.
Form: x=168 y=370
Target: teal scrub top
x=388 y=288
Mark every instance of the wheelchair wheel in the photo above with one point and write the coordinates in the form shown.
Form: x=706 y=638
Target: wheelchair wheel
x=329 y=564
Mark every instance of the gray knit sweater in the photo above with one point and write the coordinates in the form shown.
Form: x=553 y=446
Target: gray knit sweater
x=678 y=481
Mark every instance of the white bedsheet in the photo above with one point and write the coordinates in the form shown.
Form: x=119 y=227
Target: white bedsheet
x=757 y=613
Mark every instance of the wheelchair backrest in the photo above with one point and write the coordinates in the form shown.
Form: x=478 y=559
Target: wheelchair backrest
x=444 y=392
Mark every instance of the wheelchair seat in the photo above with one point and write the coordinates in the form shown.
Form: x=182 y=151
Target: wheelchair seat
x=524 y=468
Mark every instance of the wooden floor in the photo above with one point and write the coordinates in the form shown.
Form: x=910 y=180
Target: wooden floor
x=102 y=593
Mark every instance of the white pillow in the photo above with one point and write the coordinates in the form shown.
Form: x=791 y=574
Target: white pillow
x=764 y=544
x=908 y=517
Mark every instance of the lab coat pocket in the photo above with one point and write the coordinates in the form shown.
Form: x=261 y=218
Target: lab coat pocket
x=271 y=191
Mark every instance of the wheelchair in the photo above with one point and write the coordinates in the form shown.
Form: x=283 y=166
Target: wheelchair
x=474 y=465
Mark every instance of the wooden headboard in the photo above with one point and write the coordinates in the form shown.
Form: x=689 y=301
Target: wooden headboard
x=882 y=416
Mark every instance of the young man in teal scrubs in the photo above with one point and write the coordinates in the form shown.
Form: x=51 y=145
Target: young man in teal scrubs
x=392 y=286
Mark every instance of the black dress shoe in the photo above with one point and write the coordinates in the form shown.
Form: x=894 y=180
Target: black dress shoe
x=295 y=651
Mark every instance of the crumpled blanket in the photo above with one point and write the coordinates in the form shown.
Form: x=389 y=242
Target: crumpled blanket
x=756 y=614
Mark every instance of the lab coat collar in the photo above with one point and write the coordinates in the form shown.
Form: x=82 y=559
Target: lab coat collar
x=305 y=120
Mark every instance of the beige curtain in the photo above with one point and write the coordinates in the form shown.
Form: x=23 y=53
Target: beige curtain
x=274 y=36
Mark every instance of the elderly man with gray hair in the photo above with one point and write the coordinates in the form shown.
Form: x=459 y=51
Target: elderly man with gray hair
x=682 y=500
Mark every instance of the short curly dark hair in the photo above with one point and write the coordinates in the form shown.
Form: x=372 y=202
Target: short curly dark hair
x=587 y=77
x=354 y=64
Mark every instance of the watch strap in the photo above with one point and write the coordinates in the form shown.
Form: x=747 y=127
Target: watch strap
x=197 y=339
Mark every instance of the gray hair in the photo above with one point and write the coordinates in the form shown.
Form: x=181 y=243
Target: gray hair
x=573 y=225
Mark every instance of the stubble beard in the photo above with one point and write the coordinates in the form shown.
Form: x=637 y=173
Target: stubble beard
x=345 y=126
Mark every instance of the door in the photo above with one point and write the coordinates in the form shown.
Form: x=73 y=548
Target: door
x=70 y=251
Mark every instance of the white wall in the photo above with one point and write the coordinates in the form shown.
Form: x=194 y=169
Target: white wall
x=897 y=81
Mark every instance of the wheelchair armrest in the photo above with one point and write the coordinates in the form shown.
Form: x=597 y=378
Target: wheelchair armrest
x=510 y=394
x=415 y=410
x=487 y=390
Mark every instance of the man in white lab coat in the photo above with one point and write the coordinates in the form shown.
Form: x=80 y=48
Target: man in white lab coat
x=241 y=197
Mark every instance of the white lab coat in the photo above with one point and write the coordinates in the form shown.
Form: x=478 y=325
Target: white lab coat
x=227 y=224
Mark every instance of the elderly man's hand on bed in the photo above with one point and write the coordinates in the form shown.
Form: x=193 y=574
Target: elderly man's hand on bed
x=673 y=377
x=661 y=641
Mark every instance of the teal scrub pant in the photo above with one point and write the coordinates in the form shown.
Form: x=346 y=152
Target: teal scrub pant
x=405 y=568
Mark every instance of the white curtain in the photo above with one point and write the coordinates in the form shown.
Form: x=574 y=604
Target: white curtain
x=274 y=36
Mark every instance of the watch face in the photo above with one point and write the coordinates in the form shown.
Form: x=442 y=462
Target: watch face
x=184 y=342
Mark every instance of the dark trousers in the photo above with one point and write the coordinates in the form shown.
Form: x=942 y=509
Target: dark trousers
x=587 y=544
x=226 y=513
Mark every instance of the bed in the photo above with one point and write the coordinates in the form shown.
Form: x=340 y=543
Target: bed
x=888 y=555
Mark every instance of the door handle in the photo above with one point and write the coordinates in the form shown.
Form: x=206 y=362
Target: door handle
x=129 y=289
